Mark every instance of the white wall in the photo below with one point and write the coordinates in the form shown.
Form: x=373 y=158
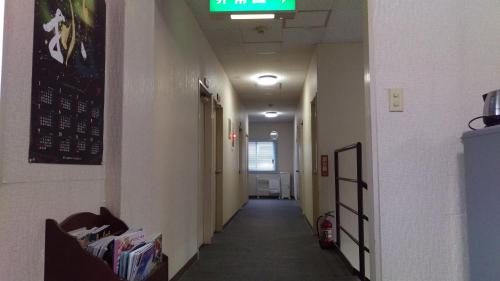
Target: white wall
x=2 y=20
x=303 y=131
x=30 y=193
x=444 y=54
x=341 y=122
x=336 y=79
x=151 y=107
x=260 y=131
x=165 y=55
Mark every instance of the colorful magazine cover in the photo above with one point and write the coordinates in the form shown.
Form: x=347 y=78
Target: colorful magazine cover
x=125 y=242
x=124 y=261
x=156 y=239
x=141 y=262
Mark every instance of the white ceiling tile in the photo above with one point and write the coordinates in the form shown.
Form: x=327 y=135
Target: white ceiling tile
x=262 y=33
x=308 y=19
x=345 y=19
x=343 y=5
x=309 y=5
x=223 y=37
x=293 y=47
x=344 y=26
x=298 y=37
x=263 y=48
x=251 y=24
x=211 y=23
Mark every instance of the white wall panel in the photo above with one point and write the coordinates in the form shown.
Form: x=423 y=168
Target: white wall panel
x=31 y=193
x=166 y=54
x=444 y=54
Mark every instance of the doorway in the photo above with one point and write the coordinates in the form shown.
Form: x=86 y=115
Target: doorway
x=243 y=163
x=206 y=185
x=314 y=143
x=298 y=170
x=219 y=168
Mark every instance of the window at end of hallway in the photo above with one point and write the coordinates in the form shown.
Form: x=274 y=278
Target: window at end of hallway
x=262 y=156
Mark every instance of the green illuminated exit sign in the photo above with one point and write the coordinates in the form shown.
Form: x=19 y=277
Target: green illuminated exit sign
x=242 y=6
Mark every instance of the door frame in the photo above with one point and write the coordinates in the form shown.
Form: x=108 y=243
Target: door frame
x=219 y=167
x=299 y=163
x=371 y=148
x=206 y=184
x=314 y=154
x=243 y=163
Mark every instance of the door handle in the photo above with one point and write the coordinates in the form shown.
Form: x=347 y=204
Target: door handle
x=218 y=172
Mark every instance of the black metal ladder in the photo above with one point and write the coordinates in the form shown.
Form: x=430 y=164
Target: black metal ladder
x=360 y=212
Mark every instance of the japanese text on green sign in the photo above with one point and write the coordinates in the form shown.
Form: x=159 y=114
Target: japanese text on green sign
x=228 y=6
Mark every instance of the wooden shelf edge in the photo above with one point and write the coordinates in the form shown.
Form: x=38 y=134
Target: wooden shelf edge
x=66 y=260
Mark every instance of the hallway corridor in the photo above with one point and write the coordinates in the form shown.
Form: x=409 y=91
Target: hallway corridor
x=268 y=240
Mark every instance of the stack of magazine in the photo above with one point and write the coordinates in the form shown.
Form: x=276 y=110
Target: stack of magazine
x=86 y=236
x=131 y=256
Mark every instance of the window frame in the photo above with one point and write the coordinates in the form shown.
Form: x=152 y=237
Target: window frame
x=276 y=156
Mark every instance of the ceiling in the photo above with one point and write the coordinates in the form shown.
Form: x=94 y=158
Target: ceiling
x=282 y=47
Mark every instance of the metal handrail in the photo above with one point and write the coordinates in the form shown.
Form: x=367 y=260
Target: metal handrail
x=353 y=238
x=365 y=185
x=352 y=210
x=360 y=212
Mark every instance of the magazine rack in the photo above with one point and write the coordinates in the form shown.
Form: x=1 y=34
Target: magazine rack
x=66 y=260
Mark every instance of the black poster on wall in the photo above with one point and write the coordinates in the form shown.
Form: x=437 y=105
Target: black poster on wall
x=67 y=103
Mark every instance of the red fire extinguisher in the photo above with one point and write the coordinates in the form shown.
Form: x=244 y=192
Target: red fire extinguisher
x=325 y=230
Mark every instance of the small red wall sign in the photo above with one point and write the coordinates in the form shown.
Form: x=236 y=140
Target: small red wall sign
x=324 y=165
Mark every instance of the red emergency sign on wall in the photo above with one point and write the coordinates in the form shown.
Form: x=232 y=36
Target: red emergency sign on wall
x=324 y=165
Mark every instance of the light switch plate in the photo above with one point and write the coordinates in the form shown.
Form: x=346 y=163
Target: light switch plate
x=396 y=100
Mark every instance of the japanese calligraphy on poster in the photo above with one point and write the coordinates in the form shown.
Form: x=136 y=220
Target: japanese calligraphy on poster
x=228 y=6
x=67 y=98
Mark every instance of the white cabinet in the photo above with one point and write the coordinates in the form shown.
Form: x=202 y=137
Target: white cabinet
x=285 y=185
x=270 y=184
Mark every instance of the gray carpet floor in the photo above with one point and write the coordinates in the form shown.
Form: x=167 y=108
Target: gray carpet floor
x=268 y=240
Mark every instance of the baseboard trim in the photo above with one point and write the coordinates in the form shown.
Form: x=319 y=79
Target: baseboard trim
x=310 y=225
x=264 y=197
x=186 y=267
x=234 y=215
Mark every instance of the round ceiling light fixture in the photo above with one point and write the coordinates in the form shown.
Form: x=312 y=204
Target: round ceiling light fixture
x=271 y=114
x=267 y=80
